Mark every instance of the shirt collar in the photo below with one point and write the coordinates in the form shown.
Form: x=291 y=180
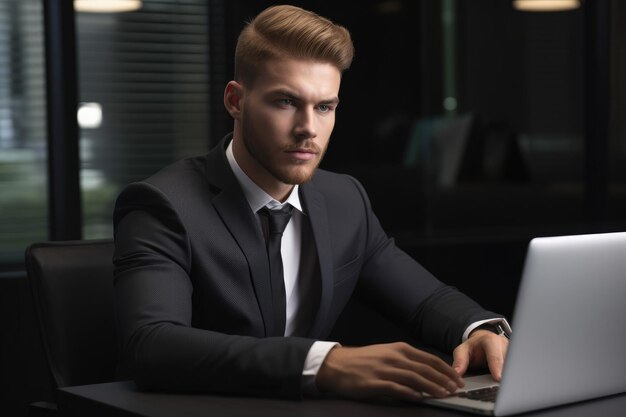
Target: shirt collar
x=257 y=198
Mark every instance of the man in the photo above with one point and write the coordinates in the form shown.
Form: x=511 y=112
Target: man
x=199 y=304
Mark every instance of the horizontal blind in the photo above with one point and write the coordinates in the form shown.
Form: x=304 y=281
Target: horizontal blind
x=147 y=71
x=23 y=183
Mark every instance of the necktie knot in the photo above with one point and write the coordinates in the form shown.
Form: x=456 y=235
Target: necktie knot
x=277 y=219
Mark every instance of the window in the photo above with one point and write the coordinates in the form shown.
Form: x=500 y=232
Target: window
x=144 y=103
x=143 y=88
x=23 y=180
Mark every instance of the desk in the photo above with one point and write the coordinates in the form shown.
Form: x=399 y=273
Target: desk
x=123 y=399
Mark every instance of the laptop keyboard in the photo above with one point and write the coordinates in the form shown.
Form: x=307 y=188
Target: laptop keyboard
x=483 y=394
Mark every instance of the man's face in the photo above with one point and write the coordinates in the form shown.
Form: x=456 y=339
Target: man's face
x=285 y=122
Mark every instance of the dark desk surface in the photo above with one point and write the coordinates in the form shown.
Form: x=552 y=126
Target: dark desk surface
x=123 y=399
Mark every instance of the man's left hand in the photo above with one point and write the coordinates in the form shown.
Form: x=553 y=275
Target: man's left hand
x=482 y=347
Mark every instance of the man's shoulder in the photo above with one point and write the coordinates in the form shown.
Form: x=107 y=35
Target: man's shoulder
x=324 y=180
x=337 y=188
x=170 y=188
x=192 y=172
x=175 y=182
x=177 y=172
x=324 y=177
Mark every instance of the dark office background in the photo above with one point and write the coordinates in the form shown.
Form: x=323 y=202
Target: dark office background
x=473 y=126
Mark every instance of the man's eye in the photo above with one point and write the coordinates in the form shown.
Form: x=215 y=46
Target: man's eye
x=285 y=102
x=324 y=108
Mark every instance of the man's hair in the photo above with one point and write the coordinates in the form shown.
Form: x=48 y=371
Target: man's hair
x=290 y=32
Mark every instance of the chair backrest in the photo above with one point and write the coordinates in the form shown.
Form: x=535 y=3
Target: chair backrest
x=72 y=285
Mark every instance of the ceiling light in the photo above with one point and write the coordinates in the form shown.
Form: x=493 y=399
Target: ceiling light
x=106 y=6
x=545 y=5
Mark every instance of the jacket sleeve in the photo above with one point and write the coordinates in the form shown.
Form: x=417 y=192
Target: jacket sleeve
x=398 y=286
x=159 y=348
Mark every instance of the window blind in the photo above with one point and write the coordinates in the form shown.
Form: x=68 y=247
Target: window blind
x=23 y=183
x=146 y=75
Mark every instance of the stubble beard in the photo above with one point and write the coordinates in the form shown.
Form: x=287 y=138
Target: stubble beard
x=264 y=157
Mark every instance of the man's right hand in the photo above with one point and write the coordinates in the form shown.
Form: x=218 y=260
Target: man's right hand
x=395 y=370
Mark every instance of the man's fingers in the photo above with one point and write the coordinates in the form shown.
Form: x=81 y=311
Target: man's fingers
x=495 y=367
x=427 y=380
x=420 y=370
x=482 y=348
x=434 y=367
x=393 y=371
x=400 y=371
x=461 y=357
x=495 y=354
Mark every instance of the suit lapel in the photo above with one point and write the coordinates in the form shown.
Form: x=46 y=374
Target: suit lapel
x=315 y=208
x=235 y=212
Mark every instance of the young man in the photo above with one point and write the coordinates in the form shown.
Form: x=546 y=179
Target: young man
x=199 y=306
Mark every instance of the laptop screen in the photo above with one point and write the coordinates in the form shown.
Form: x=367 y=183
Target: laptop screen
x=568 y=327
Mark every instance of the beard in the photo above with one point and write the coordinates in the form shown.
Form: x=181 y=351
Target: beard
x=269 y=157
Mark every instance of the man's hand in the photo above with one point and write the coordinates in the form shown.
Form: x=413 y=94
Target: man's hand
x=395 y=370
x=481 y=348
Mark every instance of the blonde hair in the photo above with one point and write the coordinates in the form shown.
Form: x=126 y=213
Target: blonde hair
x=289 y=31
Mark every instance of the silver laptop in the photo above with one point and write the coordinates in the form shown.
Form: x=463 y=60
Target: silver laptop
x=569 y=329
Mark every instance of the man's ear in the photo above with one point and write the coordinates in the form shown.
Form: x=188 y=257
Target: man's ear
x=233 y=94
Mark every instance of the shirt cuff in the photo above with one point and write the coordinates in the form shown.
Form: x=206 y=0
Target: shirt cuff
x=505 y=325
x=312 y=364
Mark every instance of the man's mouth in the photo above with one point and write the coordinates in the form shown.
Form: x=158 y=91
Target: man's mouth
x=302 y=154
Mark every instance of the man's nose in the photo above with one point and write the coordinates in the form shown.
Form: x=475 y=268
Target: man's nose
x=305 y=124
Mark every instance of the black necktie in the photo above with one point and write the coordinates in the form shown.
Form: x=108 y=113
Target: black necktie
x=277 y=221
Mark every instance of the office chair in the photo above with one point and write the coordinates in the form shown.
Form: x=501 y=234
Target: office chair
x=72 y=287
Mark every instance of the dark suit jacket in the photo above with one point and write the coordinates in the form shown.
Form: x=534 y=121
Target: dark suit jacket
x=192 y=280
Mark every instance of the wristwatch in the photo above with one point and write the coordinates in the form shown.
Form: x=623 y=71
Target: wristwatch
x=497 y=328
